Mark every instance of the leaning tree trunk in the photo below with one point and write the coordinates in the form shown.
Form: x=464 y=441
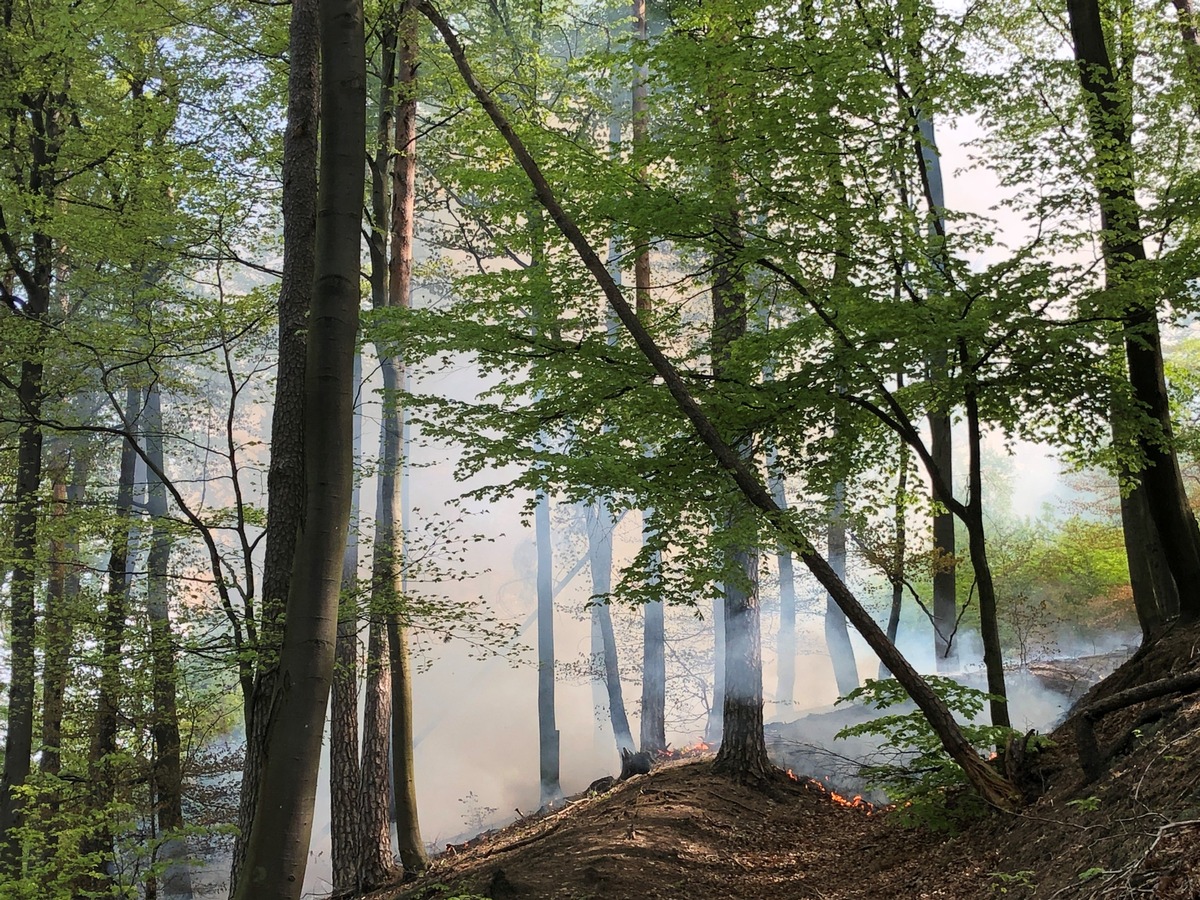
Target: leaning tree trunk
x=277 y=851
x=1110 y=130
x=285 y=477
x=991 y=785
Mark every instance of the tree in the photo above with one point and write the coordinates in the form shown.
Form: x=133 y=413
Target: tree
x=286 y=476
x=277 y=850
x=986 y=781
x=1109 y=112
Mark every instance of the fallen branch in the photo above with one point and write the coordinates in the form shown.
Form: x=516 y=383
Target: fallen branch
x=1091 y=760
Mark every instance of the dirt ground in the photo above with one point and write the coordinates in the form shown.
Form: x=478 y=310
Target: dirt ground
x=683 y=833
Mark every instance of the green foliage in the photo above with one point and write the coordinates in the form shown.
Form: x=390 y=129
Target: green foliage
x=920 y=778
x=1009 y=882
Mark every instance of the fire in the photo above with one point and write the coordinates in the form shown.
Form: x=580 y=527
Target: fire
x=855 y=802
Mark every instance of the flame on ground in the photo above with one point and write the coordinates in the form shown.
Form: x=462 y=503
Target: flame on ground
x=855 y=802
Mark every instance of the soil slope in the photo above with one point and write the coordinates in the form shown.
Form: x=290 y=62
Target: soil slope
x=681 y=832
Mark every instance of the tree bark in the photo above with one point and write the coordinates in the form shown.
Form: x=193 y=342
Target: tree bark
x=176 y=880
x=277 y=851
x=1110 y=129
x=786 y=644
x=62 y=590
x=989 y=626
x=896 y=575
x=98 y=841
x=837 y=638
x=376 y=863
x=285 y=476
x=346 y=832
x=990 y=784
x=548 y=759
x=412 y=849
x=600 y=528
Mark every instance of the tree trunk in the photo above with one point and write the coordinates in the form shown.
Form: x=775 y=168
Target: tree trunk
x=376 y=864
x=989 y=626
x=1191 y=46
x=98 y=841
x=285 y=477
x=837 y=638
x=61 y=593
x=714 y=729
x=786 y=644
x=896 y=575
x=551 y=791
x=991 y=785
x=277 y=851
x=945 y=601
x=600 y=528
x=1110 y=129
x=408 y=831
x=175 y=882
x=18 y=740
x=653 y=727
x=345 y=802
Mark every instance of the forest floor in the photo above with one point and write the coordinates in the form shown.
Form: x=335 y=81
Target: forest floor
x=682 y=832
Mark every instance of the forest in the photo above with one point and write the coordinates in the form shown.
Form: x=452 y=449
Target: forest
x=415 y=409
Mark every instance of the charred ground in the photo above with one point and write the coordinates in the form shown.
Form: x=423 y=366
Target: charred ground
x=681 y=832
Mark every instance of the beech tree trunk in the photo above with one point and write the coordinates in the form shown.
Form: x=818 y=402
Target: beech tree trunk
x=62 y=591
x=600 y=528
x=285 y=476
x=1110 y=129
x=277 y=851
x=786 y=642
x=98 y=840
x=989 y=626
x=837 y=638
x=548 y=759
x=412 y=849
x=987 y=781
x=175 y=882
x=899 y=550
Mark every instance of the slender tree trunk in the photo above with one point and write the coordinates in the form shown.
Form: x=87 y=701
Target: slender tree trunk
x=896 y=575
x=551 y=791
x=837 y=638
x=941 y=444
x=277 y=851
x=653 y=728
x=786 y=644
x=98 y=841
x=285 y=477
x=18 y=739
x=989 y=626
x=1110 y=128
x=991 y=786
x=175 y=882
x=376 y=864
x=945 y=601
x=345 y=801
x=600 y=528
x=715 y=727
x=61 y=592
x=412 y=848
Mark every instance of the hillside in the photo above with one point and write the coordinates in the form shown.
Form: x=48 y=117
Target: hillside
x=681 y=832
